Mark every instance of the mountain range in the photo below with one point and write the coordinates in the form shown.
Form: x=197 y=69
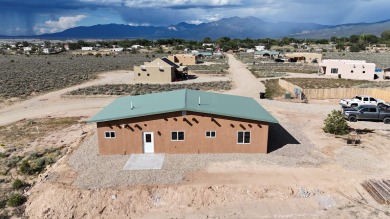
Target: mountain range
x=234 y=27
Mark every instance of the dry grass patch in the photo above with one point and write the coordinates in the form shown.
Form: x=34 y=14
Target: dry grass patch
x=140 y=89
x=320 y=83
x=21 y=162
x=25 y=131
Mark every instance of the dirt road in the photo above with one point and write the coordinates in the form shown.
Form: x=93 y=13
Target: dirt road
x=55 y=105
x=246 y=84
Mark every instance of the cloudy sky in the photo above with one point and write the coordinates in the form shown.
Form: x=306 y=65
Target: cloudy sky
x=25 y=17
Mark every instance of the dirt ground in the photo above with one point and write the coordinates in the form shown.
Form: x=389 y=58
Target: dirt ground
x=232 y=189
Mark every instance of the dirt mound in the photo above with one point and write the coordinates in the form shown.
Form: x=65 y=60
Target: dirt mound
x=59 y=201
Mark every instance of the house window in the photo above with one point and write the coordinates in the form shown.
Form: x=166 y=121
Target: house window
x=147 y=75
x=177 y=136
x=364 y=72
x=110 y=134
x=351 y=71
x=139 y=74
x=334 y=70
x=210 y=134
x=243 y=137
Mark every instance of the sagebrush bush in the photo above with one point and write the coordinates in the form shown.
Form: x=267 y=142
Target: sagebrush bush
x=19 y=184
x=16 y=199
x=336 y=124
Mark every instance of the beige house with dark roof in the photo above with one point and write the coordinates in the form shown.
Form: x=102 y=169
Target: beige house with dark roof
x=159 y=70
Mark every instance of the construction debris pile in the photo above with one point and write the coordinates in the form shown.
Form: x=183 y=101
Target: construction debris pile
x=379 y=190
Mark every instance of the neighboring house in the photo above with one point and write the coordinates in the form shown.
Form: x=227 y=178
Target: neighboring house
x=203 y=54
x=304 y=57
x=208 y=45
x=183 y=121
x=183 y=59
x=47 y=50
x=136 y=47
x=27 y=49
x=117 y=49
x=260 y=48
x=348 y=69
x=87 y=48
x=266 y=54
x=159 y=70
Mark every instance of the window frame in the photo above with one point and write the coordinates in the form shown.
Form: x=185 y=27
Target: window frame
x=243 y=137
x=334 y=70
x=210 y=136
x=177 y=135
x=110 y=134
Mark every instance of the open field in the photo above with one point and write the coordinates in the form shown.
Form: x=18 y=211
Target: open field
x=307 y=174
x=139 y=89
x=27 y=147
x=317 y=83
x=22 y=76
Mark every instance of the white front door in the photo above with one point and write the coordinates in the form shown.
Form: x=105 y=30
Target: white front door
x=148 y=142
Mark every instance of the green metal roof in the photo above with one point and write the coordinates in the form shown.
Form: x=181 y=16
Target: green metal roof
x=267 y=52
x=187 y=100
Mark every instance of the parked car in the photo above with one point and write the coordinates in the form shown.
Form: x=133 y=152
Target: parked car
x=361 y=100
x=368 y=112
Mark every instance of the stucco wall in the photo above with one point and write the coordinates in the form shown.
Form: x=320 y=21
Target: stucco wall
x=154 y=74
x=358 y=71
x=129 y=137
x=183 y=59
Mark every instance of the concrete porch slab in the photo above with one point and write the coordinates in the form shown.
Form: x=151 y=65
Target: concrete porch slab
x=144 y=162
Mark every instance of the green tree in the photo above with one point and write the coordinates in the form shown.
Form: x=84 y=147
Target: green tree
x=207 y=40
x=385 y=35
x=336 y=124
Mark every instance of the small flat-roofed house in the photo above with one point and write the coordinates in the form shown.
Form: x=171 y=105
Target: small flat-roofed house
x=159 y=70
x=305 y=57
x=183 y=59
x=87 y=48
x=266 y=54
x=183 y=121
x=348 y=69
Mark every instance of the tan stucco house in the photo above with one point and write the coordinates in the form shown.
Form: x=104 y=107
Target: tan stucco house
x=183 y=59
x=183 y=121
x=348 y=69
x=305 y=57
x=159 y=70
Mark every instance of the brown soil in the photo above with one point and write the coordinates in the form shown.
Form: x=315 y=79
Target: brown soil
x=223 y=189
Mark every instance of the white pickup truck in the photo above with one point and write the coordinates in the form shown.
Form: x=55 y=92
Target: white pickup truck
x=359 y=100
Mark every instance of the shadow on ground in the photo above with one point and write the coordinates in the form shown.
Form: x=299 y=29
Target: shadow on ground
x=279 y=137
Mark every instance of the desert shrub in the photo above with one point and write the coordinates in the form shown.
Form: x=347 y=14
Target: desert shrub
x=16 y=199
x=25 y=167
x=12 y=161
x=336 y=124
x=36 y=162
x=3 y=203
x=35 y=166
x=273 y=89
x=139 y=89
x=19 y=184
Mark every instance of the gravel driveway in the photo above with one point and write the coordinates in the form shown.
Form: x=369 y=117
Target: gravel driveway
x=106 y=171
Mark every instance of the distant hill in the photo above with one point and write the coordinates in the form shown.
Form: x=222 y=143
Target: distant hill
x=345 y=30
x=233 y=27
